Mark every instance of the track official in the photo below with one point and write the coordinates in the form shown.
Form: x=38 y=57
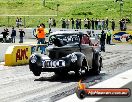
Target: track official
x=41 y=33
x=102 y=40
x=108 y=37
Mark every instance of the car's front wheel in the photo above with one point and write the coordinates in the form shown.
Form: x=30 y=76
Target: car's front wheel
x=81 y=69
x=35 y=65
x=78 y=71
x=36 y=71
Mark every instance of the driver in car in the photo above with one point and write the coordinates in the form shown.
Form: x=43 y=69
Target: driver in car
x=86 y=40
x=58 y=42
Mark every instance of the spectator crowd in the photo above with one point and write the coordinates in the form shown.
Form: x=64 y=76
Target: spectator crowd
x=19 y=22
x=95 y=24
x=10 y=37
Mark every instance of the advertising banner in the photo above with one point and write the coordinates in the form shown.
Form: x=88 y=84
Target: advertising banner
x=122 y=36
x=17 y=55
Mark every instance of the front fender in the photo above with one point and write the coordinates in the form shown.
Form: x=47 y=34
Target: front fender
x=80 y=58
x=35 y=60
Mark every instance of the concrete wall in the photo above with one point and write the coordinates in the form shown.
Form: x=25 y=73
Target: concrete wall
x=17 y=55
x=4 y=47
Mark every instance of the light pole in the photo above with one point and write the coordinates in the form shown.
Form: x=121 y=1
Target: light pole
x=57 y=8
x=121 y=5
x=8 y=20
x=44 y=2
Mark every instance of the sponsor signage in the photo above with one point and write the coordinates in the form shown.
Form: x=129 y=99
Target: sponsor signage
x=122 y=36
x=17 y=55
x=83 y=91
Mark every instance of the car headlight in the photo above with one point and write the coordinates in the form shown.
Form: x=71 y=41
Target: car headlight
x=73 y=57
x=33 y=59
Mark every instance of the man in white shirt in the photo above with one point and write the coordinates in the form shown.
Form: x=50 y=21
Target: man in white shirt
x=50 y=22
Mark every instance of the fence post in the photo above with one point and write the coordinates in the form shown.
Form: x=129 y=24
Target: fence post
x=44 y=2
x=131 y=18
x=8 y=21
x=24 y=22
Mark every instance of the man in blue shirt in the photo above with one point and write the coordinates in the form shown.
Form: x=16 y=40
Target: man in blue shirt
x=13 y=35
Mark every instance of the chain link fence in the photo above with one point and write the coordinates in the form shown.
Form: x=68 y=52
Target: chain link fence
x=34 y=20
x=27 y=21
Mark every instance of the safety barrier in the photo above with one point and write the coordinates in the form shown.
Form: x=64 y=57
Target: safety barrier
x=17 y=55
x=20 y=54
x=3 y=48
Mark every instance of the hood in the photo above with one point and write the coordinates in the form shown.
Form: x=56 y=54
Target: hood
x=55 y=52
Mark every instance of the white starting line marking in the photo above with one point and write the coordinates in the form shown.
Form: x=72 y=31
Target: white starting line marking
x=117 y=81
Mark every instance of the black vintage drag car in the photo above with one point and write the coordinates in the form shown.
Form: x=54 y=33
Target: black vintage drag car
x=68 y=51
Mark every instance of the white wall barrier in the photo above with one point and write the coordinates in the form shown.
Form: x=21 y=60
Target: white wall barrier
x=17 y=55
x=3 y=48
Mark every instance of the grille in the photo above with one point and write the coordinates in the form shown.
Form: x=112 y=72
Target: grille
x=53 y=64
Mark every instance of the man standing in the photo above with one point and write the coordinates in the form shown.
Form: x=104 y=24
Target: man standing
x=99 y=24
x=80 y=23
x=96 y=24
x=107 y=23
x=41 y=38
x=67 y=23
x=124 y=25
x=113 y=24
x=54 y=22
x=20 y=22
x=22 y=34
x=77 y=23
x=121 y=25
x=72 y=21
x=92 y=21
x=85 y=23
x=103 y=24
x=13 y=35
x=63 y=23
x=108 y=37
x=102 y=40
x=50 y=22
x=4 y=35
x=89 y=23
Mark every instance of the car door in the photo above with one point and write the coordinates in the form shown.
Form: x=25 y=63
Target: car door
x=87 y=50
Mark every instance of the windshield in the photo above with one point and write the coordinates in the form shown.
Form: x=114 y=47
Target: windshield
x=66 y=38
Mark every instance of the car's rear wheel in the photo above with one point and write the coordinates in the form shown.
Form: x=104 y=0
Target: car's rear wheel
x=97 y=61
x=78 y=72
x=81 y=69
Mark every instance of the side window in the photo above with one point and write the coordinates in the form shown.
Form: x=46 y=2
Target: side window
x=85 y=40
